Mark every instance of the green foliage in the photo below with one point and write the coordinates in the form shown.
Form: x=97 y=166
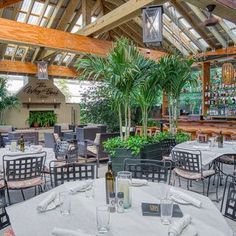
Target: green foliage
x=43 y=119
x=6 y=101
x=136 y=143
x=97 y=107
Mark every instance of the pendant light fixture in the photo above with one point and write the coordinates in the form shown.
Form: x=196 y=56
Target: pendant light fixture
x=42 y=70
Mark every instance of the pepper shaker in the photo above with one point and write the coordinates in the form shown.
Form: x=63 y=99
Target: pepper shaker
x=112 y=202
x=120 y=202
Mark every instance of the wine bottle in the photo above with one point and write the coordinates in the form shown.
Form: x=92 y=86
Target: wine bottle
x=110 y=181
x=220 y=140
x=22 y=143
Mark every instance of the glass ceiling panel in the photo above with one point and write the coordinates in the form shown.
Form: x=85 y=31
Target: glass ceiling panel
x=37 y=8
x=195 y=33
x=20 y=52
x=26 y=5
x=43 y=22
x=49 y=11
x=203 y=42
x=10 y=51
x=229 y=24
x=21 y=17
x=33 y=20
x=185 y=23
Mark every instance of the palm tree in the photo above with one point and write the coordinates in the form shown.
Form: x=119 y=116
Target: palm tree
x=120 y=71
x=6 y=101
x=174 y=73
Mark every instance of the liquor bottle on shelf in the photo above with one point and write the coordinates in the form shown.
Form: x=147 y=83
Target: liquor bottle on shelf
x=22 y=143
x=220 y=140
x=110 y=181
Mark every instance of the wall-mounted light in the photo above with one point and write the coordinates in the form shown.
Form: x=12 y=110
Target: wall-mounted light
x=152 y=25
x=42 y=70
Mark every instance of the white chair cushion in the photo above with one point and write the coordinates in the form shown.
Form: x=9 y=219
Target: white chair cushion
x=192 y=175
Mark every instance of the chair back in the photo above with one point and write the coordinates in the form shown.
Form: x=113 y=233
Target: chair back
x=228 y=204
x=167 y=145
x=66 y=172
x=61 y=149
x=187 y=160
x=72 y=153
x=23 y=166
x=49 y=140
x=151 y=170
x=4 y=219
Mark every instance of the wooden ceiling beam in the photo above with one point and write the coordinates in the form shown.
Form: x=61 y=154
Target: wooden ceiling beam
x=18 y=67
x=6 y=3
x=118 y=16
x=86 y=13
x=224 y=8
x=31 y=35
x=195 y=25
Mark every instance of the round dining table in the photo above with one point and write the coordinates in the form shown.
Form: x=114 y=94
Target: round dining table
x=50 y=155
x=209 y=153
x=26 y=221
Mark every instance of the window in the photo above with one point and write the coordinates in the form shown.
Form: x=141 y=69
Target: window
x=37 y=8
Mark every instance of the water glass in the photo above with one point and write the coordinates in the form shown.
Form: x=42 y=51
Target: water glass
x=166 y=211
x=65 y=207
x=103 y=219
x=89 y=192
x=124 y=180
x=163 y=190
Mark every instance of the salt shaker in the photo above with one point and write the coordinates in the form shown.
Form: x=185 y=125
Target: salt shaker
x=120 y=202
x=112 y=202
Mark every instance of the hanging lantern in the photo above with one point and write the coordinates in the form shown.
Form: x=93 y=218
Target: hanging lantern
x=42 y=70
x=228 y=73
x=152 y=25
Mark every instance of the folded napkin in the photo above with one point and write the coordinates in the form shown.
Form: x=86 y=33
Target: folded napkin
x=68 y=232
x=80 y=186
x=201 y=147
x=42 y=206
x=185 y=197
x=178 y=226
x=139 y=182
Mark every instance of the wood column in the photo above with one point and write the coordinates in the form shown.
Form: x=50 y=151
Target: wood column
x=206 y=66
x=86 y=13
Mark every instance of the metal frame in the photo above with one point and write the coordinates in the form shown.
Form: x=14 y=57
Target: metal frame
x=23 y=167
x=152 y=170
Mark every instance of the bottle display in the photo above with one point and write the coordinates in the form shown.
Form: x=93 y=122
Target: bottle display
x=110 y=181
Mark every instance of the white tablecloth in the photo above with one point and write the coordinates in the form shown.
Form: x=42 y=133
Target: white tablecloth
x=49 y=151
x=209 y=154
x=26 y=221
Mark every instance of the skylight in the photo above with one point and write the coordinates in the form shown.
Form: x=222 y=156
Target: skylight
x=26 y=5
x=33 y=20
x=21 y=17
x=37 y=8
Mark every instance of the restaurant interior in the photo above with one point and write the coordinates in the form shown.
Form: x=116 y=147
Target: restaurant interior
x=117 y=117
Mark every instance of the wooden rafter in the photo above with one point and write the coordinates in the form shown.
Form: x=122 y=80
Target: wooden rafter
x=6 y=3
x=224 y=8
x=86 y=13
x=195 y=25
x=18 y=67
x=213 y=29
x=31 y=35
x=118 y=16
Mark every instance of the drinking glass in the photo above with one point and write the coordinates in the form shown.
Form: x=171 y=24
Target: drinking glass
x=65 y=201
x=163 y=190
x=166 y=211
x=89 y=192
x=103 y=219
x=124 y=179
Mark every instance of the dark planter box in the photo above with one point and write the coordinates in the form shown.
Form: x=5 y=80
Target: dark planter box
x=118 y=159
x=151 y=151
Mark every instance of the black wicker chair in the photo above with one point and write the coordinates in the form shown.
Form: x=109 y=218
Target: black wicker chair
x=151 y=170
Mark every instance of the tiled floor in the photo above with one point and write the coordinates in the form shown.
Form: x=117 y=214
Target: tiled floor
x=16 y=196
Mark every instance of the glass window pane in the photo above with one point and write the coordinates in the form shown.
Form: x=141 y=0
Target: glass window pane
x=203 y=42
x=48 y=11
x=26 y=5
x=33 y=20
x=185 y=23
x=10 y=51
x=20 y=52
x=43 y=22
x=195 y=33
x=37 y=8
x=21 y=17
x=75 y=29
x=229 y=24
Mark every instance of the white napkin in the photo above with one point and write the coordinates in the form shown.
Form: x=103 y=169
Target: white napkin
x=185 y=197
x=139 y=182
x=42 y=206
x=201 y=147
x=80 y=186
x=178 y=226
x=67 y=232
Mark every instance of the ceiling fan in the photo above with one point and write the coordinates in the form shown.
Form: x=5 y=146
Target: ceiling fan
x=211 y=20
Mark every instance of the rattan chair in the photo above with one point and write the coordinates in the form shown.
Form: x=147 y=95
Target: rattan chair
x=228 y=204
x=151 y=170
x=66 y=172
x=24 y=171
x=189 y=166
